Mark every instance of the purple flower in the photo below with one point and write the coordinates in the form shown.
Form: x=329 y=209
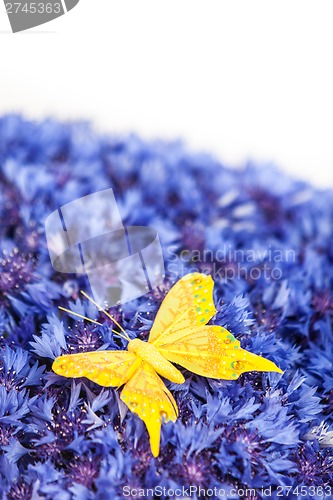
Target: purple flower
x=16 y=272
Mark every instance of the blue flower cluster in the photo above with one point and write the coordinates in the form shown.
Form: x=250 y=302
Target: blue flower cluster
x=267 y=241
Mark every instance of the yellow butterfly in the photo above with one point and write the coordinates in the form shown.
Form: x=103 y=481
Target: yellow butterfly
x=179 y=335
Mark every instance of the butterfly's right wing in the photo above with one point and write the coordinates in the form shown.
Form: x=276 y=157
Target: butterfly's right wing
x=146 y=395
x=212 y=351
x=106 y=368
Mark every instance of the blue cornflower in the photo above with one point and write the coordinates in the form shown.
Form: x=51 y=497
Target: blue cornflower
x=74 y=440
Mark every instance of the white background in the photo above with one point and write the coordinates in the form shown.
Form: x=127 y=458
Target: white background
x=243 y=79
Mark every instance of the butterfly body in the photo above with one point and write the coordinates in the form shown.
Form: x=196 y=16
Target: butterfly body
x=149 y=353
x=180 y=335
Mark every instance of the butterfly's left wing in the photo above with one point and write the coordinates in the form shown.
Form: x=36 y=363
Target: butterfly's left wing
x=189 y=303
x=106 y=368
x=146 y=395
x=212 y=351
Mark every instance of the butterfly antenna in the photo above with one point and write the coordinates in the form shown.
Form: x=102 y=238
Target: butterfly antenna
x=126 y=337
x=85 y=317
x=80 y=316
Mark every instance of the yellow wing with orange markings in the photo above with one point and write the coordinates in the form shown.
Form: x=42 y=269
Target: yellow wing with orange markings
x=146 y=395
x=212 y=351
x=106 y=368
x=189 y=303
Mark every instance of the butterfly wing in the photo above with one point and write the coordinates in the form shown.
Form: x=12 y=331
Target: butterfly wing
x=106 y=368
x=180 y=334
x=188 y=303
x=146 y=395
x=212 y=351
